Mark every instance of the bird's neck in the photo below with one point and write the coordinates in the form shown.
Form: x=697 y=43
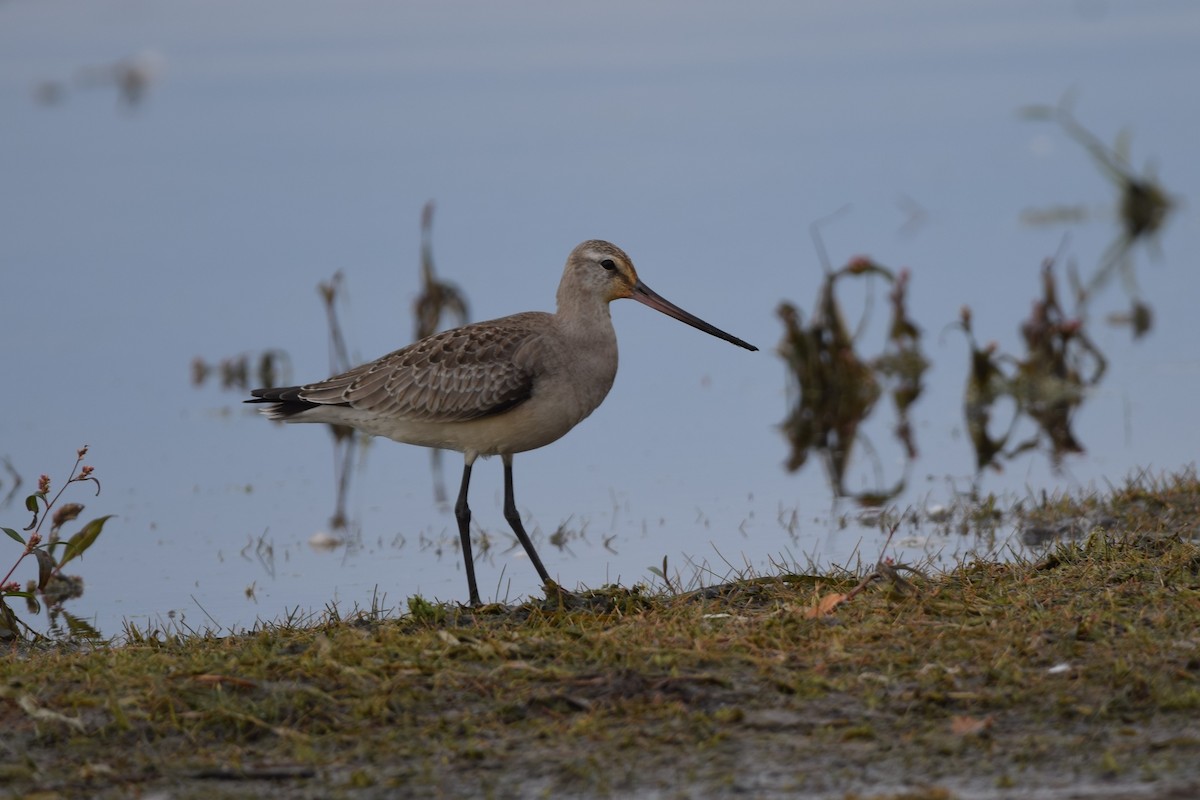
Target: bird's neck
x=583 y=315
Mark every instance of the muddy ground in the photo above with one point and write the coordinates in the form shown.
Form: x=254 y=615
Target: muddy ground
x=1070 y=675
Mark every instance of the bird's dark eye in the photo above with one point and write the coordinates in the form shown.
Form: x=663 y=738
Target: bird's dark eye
x=608 y=264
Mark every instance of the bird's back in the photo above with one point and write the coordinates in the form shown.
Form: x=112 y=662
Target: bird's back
x=453 y=376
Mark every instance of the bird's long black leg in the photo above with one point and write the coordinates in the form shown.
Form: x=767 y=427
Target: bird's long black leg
x=462 y=512
x=514 y=519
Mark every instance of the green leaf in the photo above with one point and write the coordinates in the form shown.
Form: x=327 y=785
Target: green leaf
x=81 y=541
x=45 y=563
x=13 y=535
x=31 y=505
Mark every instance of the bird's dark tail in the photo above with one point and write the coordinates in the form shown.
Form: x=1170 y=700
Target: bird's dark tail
x=287 y=402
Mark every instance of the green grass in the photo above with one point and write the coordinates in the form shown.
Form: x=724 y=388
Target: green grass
x=1080 y=667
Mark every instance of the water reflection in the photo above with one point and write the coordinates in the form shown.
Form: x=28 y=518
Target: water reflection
x=1048 y=385
x=437 y=299
x=269 y=367
x=272 y=367
x=347 y=442
x=131 y=77
x=14 y=483
x=1143 y=207
x=833 y=390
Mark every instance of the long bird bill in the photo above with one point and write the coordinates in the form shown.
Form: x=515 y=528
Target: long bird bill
x=647 y=296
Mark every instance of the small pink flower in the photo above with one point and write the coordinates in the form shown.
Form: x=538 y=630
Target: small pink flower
x=44 y=484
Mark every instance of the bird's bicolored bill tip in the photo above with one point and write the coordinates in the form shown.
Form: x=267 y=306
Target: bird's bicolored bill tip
x=647 y=296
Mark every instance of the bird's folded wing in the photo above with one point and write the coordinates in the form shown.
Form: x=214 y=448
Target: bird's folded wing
x=454 y=376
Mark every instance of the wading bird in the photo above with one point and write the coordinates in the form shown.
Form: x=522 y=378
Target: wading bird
x=492 y=388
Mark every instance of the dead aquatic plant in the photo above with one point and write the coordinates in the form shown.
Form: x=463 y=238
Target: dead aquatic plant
x=1143 y=208
x=437 y=299
x=51 y=585
x=15 y=478
x=833 y=390
x=346 y=441
x=132 y=78
x=269 y=368
x=986 y=384
x=902 y=364
x=1061 y=364
x=1048 y=385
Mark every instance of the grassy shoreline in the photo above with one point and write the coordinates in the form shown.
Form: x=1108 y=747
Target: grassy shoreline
x=1073 y=676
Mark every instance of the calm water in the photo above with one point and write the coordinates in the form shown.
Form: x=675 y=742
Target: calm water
x=283 y=142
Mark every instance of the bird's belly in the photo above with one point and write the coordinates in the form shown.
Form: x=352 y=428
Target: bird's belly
x=535 y=423
x=525 y=427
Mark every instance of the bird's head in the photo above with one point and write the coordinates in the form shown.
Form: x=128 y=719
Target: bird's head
x=600 y=270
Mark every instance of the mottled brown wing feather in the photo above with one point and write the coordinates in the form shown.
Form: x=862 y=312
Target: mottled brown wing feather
x=453 y=376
